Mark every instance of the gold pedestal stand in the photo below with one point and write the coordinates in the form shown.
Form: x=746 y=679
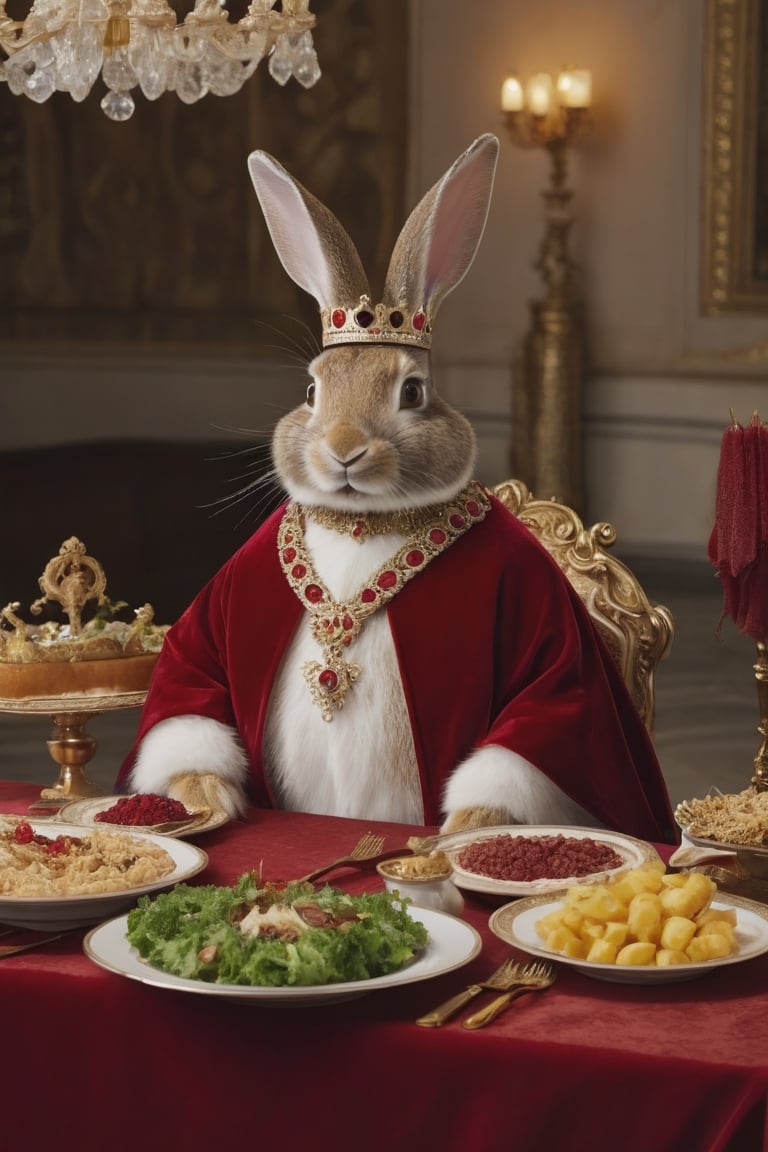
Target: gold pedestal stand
x=71 y=746
x=760 y=778
x=72 y=579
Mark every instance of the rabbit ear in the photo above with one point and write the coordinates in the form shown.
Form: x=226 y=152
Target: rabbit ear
x=313 y=247
x=440 y=238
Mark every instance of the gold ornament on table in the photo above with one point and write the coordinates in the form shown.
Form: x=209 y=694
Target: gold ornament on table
x=74 y=670
x=547 y=402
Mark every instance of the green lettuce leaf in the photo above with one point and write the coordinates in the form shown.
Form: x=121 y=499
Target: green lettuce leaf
x=192 y=931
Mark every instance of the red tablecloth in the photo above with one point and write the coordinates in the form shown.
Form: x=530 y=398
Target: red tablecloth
x=96 y=1061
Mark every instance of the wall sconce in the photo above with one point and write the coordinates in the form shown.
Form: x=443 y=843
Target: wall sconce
x=547 y=432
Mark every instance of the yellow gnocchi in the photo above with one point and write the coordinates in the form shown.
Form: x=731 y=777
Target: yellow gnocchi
x=645 y=916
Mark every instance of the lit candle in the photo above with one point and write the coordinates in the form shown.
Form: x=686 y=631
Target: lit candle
x=511 y=95
x=574 y=87
x=539 y=94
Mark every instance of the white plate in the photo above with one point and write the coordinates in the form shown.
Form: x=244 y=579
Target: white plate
x=515 y=924
x=64 y=912
x=753 y=857
x=633 y=853
x=452 y=944
x=85 y=812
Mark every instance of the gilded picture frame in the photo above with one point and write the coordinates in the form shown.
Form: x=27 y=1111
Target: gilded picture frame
x=735 y=168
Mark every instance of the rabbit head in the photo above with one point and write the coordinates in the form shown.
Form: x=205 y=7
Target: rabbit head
x=374 y=434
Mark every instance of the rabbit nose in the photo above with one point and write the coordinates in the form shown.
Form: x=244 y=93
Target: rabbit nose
x=346 y=445
x=348 y=461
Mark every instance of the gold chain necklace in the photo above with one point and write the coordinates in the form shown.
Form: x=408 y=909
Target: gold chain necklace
x=361 y=525
x=335 y=625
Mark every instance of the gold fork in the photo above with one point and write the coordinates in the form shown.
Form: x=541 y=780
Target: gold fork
x=368 y=848
x=534 y=978
x=14 y=949
x=509 y=973
x=684 y=813
x=423 y=845
x=191 y=821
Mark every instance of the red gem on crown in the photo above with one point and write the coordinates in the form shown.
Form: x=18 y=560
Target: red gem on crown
x=338 y=318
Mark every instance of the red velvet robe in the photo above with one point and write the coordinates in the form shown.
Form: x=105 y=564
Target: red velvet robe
x=494 y=647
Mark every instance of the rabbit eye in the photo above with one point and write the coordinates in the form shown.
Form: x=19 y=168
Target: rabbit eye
x=412 y=393
x=311 y=395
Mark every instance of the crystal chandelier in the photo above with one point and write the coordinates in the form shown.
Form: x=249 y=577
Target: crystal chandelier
x=63 y=45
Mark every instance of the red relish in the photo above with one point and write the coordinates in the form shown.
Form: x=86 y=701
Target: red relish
x=144 y=808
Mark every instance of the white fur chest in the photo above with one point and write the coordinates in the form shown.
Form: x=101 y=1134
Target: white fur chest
x=362 y=763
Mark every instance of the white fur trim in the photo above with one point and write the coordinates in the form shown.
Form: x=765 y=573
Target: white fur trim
x=494 y=777
x=191 y=744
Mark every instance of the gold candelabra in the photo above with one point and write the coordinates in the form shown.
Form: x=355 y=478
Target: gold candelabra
x=547 y=450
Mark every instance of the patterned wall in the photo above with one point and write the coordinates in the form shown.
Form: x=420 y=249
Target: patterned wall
x=149 y=231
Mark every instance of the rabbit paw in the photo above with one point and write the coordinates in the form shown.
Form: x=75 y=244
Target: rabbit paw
x=466 y=818
x=205 y=790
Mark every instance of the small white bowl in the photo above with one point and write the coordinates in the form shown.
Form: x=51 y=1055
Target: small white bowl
x=435 y=891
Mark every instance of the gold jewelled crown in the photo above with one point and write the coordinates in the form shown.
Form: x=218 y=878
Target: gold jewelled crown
x=367 y=323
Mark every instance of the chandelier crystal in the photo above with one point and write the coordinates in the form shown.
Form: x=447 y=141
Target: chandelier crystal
x=64 y=45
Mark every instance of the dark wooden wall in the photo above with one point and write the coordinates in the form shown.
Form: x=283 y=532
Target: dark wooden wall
x=157 y=516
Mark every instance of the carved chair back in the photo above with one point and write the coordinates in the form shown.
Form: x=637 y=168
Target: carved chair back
x=638 y=633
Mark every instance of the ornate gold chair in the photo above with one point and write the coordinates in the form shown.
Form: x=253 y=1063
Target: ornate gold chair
x=638 y=634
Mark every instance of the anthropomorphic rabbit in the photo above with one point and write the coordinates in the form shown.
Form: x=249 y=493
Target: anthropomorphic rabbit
x=392 y=644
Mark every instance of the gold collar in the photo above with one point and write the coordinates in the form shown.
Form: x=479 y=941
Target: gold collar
x=336 y=625
x=359 y=525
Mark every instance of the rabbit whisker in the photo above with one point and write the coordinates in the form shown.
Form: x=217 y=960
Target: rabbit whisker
x=301 y=352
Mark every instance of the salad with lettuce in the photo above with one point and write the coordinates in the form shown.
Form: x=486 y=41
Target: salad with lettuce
x=274 y=935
